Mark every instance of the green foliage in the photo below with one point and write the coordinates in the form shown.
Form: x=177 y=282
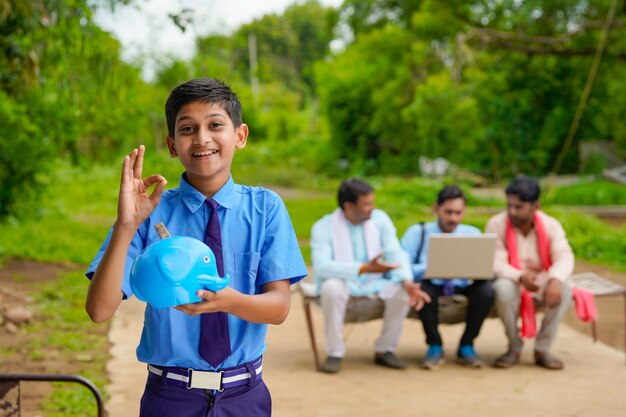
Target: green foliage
x=594 y=240
x=587 y=193
x=23 y=157
x=64 y=92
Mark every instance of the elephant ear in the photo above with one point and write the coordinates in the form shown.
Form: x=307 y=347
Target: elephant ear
x=175 y=263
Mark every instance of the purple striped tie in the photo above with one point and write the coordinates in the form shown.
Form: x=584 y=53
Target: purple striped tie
x=214 y=334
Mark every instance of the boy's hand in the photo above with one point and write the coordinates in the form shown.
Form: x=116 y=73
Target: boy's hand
x=134 y=204
x=211 y=302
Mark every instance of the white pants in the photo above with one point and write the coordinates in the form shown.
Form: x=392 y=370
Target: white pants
x=507 y=305
x=334 y=296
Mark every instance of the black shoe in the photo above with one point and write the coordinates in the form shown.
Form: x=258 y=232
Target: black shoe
x=389 y=360
x=332 y=365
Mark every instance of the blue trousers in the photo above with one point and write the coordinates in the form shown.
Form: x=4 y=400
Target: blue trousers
x=161 y=398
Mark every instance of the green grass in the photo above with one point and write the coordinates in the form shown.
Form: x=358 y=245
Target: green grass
x=587 y=193
x=65 y=328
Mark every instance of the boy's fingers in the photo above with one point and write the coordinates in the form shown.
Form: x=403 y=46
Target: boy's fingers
x=138 y=168
x=158 y=192
x=160 y=182
x=129 y=168
x=125 y=164
x=153 y=179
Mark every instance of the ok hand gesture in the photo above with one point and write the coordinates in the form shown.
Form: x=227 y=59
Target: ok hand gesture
x=134 y=204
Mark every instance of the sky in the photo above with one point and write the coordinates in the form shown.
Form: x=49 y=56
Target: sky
x=147 y=33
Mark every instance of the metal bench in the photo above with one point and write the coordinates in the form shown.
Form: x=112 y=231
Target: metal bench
x=10 y=392
x=451 y=309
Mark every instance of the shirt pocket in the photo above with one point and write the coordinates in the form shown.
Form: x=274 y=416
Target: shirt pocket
x=246 y=269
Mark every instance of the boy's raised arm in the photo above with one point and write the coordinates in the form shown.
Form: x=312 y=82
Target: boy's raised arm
x=134 y=206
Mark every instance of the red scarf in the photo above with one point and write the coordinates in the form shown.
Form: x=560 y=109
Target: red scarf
x=584 y=299
x=527 y=306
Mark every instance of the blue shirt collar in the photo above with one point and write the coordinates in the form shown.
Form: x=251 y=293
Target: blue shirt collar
x=194 y=199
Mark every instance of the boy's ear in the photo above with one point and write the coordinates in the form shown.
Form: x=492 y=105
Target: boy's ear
x=171 y=147
x=242 y=136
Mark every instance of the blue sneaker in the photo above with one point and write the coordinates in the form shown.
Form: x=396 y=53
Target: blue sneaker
x=433 y=358
x=467 y=356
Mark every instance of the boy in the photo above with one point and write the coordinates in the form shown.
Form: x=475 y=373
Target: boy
x=204 y=359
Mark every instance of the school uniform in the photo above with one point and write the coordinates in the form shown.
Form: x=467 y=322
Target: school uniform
x=259 y=246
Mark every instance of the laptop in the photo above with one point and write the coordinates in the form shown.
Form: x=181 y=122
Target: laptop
x=461 y=256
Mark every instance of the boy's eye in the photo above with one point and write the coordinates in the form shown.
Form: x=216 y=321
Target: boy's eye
x=186 y=129
x=214 y=125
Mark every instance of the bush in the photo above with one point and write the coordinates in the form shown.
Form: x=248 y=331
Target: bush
x=25 y=156
x=587 y=193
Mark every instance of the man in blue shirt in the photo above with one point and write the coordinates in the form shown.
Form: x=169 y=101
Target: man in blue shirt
x=355 y=251
x=450 y=208
x=259 y=252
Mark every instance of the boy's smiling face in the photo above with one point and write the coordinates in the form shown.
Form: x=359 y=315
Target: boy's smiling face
x=205 y=140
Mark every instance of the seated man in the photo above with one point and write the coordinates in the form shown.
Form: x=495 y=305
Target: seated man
x=532 y=254
x=450 y=208
x=355 y=251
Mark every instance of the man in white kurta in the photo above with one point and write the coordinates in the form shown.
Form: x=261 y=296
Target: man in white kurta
x=355 y=251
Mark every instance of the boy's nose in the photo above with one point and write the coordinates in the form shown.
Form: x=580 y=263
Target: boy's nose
x=203 y=137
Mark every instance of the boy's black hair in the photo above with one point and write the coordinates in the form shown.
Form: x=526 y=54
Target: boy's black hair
x=450 y=192
x=204 y=90
x=351 y=189
x=525 y=188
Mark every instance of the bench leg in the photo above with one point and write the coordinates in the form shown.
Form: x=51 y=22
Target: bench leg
x=594 y=331
x=309 y=325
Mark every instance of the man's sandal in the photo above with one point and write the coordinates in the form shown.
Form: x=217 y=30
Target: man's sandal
x=545 y=360
x=510 y=358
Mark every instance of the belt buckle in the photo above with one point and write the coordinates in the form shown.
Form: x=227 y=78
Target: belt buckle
x=204 y=380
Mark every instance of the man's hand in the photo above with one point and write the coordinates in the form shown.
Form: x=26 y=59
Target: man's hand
x=552 y=294
x=134 y=204
x=417 y=297
x=528 y=281
x=377 y=265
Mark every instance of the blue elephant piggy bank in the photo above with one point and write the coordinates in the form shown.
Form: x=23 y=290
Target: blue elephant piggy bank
x=170 y=272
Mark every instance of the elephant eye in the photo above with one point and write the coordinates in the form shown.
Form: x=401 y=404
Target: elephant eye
x=207 y=259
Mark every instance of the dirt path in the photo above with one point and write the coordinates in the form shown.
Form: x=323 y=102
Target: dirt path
x=589 y=386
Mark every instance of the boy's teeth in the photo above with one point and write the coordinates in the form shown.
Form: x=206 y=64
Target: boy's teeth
x=204 y=153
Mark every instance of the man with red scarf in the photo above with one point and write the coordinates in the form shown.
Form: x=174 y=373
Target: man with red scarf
x=532 y=265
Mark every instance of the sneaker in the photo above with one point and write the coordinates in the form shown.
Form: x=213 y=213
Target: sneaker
x=332 y=365
x=389 y=360
x=434 y=357
x=467 y=356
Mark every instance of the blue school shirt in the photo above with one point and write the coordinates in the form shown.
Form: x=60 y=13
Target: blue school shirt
x=259 y=246
x=411 y=242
